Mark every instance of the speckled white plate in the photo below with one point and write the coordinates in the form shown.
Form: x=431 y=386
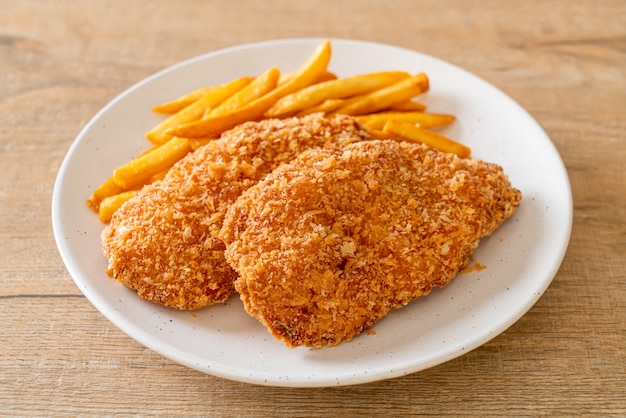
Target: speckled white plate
x=521 y=258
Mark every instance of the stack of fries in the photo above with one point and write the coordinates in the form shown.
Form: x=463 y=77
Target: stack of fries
x=382 y=102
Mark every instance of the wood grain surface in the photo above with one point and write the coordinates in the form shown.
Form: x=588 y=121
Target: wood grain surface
x=62 y=61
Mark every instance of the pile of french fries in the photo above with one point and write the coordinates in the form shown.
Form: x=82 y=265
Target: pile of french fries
x=382 y=102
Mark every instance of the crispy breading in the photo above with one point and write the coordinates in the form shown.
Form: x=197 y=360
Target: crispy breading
x=328 y=244
x=163 y=242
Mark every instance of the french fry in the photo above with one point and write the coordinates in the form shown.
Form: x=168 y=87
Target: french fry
x=110 y=188
x=183 y=101
x=158 y=135
x=414 y=133
x=326 y=106
x=139 y=171
x=379 y=134
x=106 y=189
x=158 y=176
x=284 y=77
x=152 y=148
x=424 y=120
x=408 y=106
x=213 y=126
x=112 y=203
x=199 y=142
x=340 y=88
x=325 y=76
x=258 y=87
x=398 y=92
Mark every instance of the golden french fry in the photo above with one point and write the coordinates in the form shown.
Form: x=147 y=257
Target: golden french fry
x=140 y=170
x=110 y=204
x=379 y=134
x=158 y=176
x=333 y=89
x=325 y=76
x=326 y=106
x=257 y=88
x=385 y=97
x=183 y=101
x=199 y=142
x=152 y=148
x=408 y=106
x=215 y=125
x=187 y=99
x=284 y=77
x=424 y=120
x=106 y=189
x=158 y=135
x=414 y=133
x=111 y=188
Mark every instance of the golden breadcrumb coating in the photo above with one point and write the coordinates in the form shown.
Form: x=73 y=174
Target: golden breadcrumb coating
x=326 y=245
x=163 y=242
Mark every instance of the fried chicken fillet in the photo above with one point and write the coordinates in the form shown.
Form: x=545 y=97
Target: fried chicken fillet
x=329 y=243
x=163 y=242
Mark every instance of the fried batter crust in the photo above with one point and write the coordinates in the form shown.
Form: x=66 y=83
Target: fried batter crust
x=326 y=245
x=163 y=243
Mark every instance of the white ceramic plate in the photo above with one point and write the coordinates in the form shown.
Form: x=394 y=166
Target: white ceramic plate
x=522 y=256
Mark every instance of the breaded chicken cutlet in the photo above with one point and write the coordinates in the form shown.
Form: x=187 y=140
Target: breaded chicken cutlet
x=163 y=242
x=329 y=243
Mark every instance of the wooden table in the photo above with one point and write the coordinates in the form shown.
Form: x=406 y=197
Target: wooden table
x=564 y=61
